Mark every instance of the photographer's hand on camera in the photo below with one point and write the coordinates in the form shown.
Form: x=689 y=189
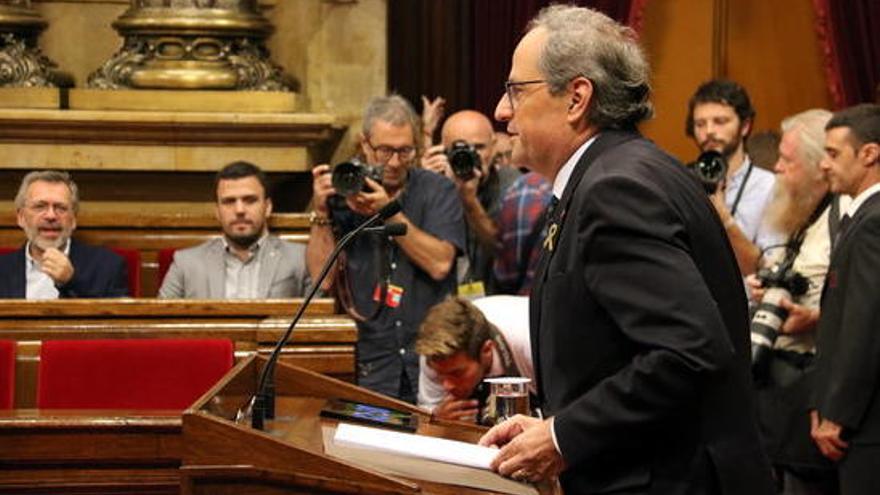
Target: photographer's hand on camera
x=435 y=160
x=322 y=188
x=800 y=318
x=368 y=203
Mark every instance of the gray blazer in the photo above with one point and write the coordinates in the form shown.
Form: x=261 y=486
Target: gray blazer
x=199 y=272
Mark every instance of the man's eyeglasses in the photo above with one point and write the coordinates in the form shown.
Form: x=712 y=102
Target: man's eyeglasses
x=384 y=153
x=512 y=89
x=41 y=207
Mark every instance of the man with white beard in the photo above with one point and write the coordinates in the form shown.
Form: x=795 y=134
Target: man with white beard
x=51 y=265
x=804 y=212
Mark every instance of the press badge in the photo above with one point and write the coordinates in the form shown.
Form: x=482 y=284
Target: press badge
x=472 y=290
x=394 y=295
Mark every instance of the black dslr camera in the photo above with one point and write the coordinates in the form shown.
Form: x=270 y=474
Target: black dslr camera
x=711 y=168
x=463 y=159
x=780 y=281
x=350 y=177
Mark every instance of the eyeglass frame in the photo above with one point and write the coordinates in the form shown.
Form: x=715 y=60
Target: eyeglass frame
x=42 y=207
x=412 y=151
x=508 y=85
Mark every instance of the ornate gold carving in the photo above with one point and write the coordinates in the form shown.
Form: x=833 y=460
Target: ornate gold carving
x=192 y=44
x=22 y=64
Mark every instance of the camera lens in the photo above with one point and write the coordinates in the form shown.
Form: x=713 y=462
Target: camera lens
x=348 y=178
x=710 y=167
x=463 y=159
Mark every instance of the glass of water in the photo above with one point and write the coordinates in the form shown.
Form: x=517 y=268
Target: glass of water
x=510 y=395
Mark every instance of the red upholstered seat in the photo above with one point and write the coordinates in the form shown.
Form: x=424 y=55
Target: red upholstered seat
x=166 y=256
x=5 y=249
x=133 y=264
x=129 y=373
x=7 y=373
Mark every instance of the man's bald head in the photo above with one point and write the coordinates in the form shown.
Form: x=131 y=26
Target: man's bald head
x=475 y=129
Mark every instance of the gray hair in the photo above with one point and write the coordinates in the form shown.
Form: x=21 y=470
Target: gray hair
x=584 y=42
x=395 y=110
x=810 y=128
x=53 y=176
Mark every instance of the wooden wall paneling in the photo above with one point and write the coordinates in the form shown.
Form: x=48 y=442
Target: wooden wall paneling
x=774 y=53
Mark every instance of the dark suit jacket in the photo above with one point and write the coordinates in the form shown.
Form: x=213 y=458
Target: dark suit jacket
x=98 y=272
x=640 y=332
x=847 y=388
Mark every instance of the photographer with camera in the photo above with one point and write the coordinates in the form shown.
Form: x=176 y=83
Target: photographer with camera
x=465 y=156
x=720 y=118
x=387 y=283
x=788 y=290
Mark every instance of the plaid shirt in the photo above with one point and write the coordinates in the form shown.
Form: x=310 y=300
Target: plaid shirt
x=521 y=213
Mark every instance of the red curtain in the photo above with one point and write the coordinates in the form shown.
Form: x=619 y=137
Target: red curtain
x=850 y=43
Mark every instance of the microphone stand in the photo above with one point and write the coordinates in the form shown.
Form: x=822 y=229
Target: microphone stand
x=264 y=399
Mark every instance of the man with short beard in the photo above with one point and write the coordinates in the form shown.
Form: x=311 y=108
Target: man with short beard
x=807 y=214
x=51 y=265
x=246 y=262
x=720 y=118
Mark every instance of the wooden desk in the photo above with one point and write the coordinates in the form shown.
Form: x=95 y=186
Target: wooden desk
x=106 y=452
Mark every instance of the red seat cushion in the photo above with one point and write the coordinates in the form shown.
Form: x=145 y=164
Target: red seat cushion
x=129 y=373
x=133 y=264
x=7 y=373
x=6 y=250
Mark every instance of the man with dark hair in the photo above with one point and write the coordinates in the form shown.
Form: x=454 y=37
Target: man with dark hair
x=463 y=342
x=720 y=118
x=845 y=413
x=638 y=316
x=388 y=284
x=51 y=265
x=246 y=262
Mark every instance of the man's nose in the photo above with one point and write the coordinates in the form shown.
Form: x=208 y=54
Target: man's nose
x=503 y=110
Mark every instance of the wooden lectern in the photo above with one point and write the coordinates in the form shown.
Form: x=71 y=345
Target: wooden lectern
x=225 y=456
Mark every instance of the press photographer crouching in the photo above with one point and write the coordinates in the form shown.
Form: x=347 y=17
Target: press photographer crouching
x=386 y=283
x=465 y=157
x=787 y=292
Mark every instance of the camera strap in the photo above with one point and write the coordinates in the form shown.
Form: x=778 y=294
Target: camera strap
x=798 y=238
x=742 y=188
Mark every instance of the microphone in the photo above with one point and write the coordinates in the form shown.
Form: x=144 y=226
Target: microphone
x=264 y=398
x=391 y=229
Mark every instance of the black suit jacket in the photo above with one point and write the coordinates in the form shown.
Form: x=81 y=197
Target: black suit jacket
x=640 y=332
x=847 y=388
x=98 y=272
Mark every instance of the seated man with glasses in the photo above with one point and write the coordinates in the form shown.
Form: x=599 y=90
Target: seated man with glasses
x=465 y=156
x=387 y=283
x=51 y=265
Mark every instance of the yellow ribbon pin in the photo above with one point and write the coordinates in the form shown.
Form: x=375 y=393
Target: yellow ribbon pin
x=551 y=237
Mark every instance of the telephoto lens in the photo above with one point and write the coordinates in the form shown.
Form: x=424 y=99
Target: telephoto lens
x=782 y=283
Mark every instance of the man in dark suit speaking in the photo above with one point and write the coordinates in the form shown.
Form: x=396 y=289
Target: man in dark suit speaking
x=638 y=317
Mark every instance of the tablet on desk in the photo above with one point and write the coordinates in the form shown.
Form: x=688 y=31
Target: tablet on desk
x=358 y=412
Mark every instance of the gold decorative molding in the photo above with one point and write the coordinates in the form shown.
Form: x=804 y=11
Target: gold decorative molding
x=192 y=44
x=22 y=64
x=164 y=141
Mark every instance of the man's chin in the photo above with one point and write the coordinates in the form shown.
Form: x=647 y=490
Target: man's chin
x=45 y=243
x=243 y=241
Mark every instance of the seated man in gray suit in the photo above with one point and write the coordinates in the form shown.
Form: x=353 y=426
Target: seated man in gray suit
x=246 y=262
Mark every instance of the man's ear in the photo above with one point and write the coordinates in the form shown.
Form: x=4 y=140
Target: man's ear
x=870 y=154
x=362 y=142
x=579 y=99
x=746 y=128
x=487 y=351
x=268 y=208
